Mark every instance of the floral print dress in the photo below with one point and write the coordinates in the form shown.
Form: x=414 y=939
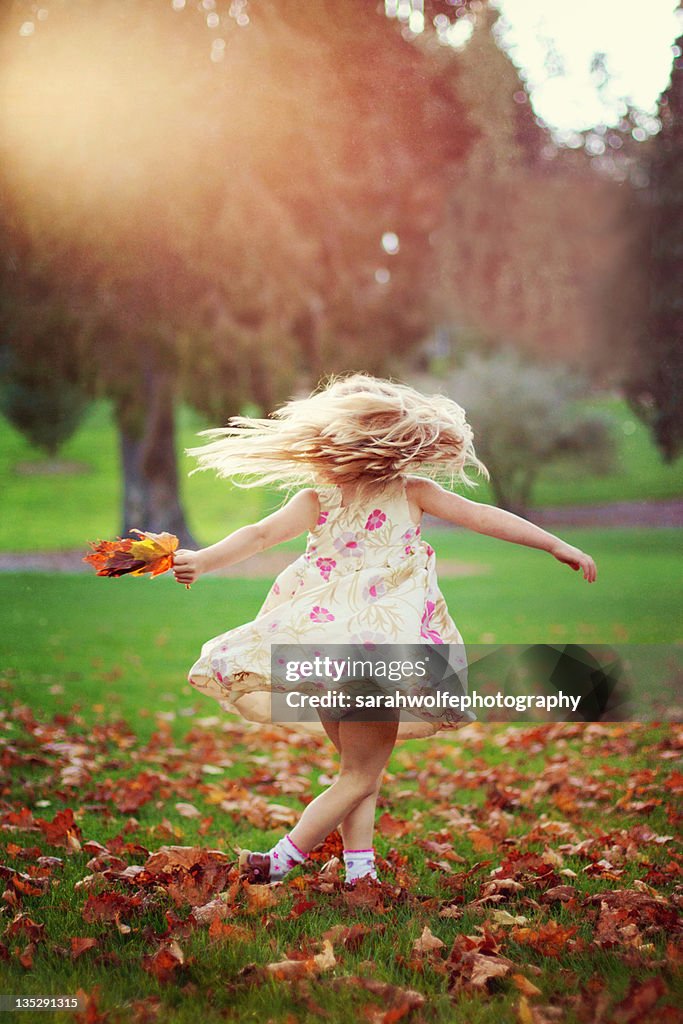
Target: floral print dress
x=366 y=577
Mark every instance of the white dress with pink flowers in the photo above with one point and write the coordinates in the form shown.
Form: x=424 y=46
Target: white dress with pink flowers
x=367 y=578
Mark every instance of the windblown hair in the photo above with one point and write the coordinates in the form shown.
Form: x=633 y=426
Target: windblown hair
x=355 y=429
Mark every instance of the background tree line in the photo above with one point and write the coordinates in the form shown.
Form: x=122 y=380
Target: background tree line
x=185 y=220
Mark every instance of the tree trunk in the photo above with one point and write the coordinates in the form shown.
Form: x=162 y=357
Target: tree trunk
x=151 y=499
x=505 y=496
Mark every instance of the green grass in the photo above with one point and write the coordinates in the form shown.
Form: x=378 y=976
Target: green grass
x=95 y=669
x=525 y=594
x=46 y=512
x=59 y=512
x=640 y=473
x=148 y=632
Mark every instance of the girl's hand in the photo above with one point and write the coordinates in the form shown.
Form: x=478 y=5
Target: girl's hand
x=576 y=559
x=187 y=566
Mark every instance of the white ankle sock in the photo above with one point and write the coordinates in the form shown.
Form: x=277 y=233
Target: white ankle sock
x=359 y=863
x=284 y=856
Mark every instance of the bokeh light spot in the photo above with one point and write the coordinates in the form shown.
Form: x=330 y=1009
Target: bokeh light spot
x=390 y=242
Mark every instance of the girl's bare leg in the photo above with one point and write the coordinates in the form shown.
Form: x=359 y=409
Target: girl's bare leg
x=358 y=826
x=365 y=748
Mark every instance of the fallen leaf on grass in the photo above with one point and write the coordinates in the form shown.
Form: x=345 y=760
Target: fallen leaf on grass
x=260 y=897
x=427 y=943
x=280 y=814
x=451 y=911
x=24 y=884
x=641 y=997
x=218 y=929
x=439 y=865
x=392 y=828
x=643 y=909
x=165 y=962
x=398 y=1002
x=25 y=957
x=483 y=968
x=526 y=987
x=80 y=945
x=258 y=812
x=128 y=795
x=331 y=848
x=444 y=850
x=369 y=893
x=109 y=906
x=191 y=874
x=481 y=841
x=62 y=830
x=475 y=960
x=504 y=918
x=288 y=970
x=168 y=857
x=22 y=923
x=106 y=860
x=559 y=894
x=330 y=875
x=351 y=936
x=91 y=1013
x=215 y=910
x=549 y=939
x=19 y=821
x=299 y=908
x=188 y=810
x=524 y=1014
x=499 y=886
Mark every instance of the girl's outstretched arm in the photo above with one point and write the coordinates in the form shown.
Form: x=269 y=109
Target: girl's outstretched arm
x=496 y=522
x=298 y=515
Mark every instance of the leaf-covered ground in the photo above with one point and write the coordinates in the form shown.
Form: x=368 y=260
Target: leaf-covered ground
x=529 y=874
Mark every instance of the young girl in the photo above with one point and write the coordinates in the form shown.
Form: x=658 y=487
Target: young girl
x=366 y=576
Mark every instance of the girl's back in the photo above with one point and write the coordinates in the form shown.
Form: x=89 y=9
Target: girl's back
x=366 y=578
x=353 y=533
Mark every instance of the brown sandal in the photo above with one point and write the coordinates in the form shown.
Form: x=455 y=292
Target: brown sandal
x=254 y=867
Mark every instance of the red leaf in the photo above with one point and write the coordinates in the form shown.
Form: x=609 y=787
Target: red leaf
x=152 y=553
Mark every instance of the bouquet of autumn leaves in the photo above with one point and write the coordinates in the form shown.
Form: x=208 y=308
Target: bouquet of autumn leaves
x=152 y=553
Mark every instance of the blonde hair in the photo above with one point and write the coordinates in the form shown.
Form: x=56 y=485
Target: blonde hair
x=354 y=429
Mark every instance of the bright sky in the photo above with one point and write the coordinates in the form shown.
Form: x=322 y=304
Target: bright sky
x=637 y=39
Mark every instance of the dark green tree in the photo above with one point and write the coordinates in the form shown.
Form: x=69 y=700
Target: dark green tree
x=226 y=209
x=37 y=395
x=655 y=378
x=42 y=392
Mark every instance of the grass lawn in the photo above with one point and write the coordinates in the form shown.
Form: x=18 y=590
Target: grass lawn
x=60 y=511
x=97 y=722
x=145 y=633
x=540 y=859
x=518 y=595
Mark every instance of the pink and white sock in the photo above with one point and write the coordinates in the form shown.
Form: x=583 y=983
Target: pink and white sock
x=284 y=856
x=359 y=863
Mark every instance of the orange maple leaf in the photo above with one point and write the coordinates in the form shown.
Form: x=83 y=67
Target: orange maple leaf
x=152 y=553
